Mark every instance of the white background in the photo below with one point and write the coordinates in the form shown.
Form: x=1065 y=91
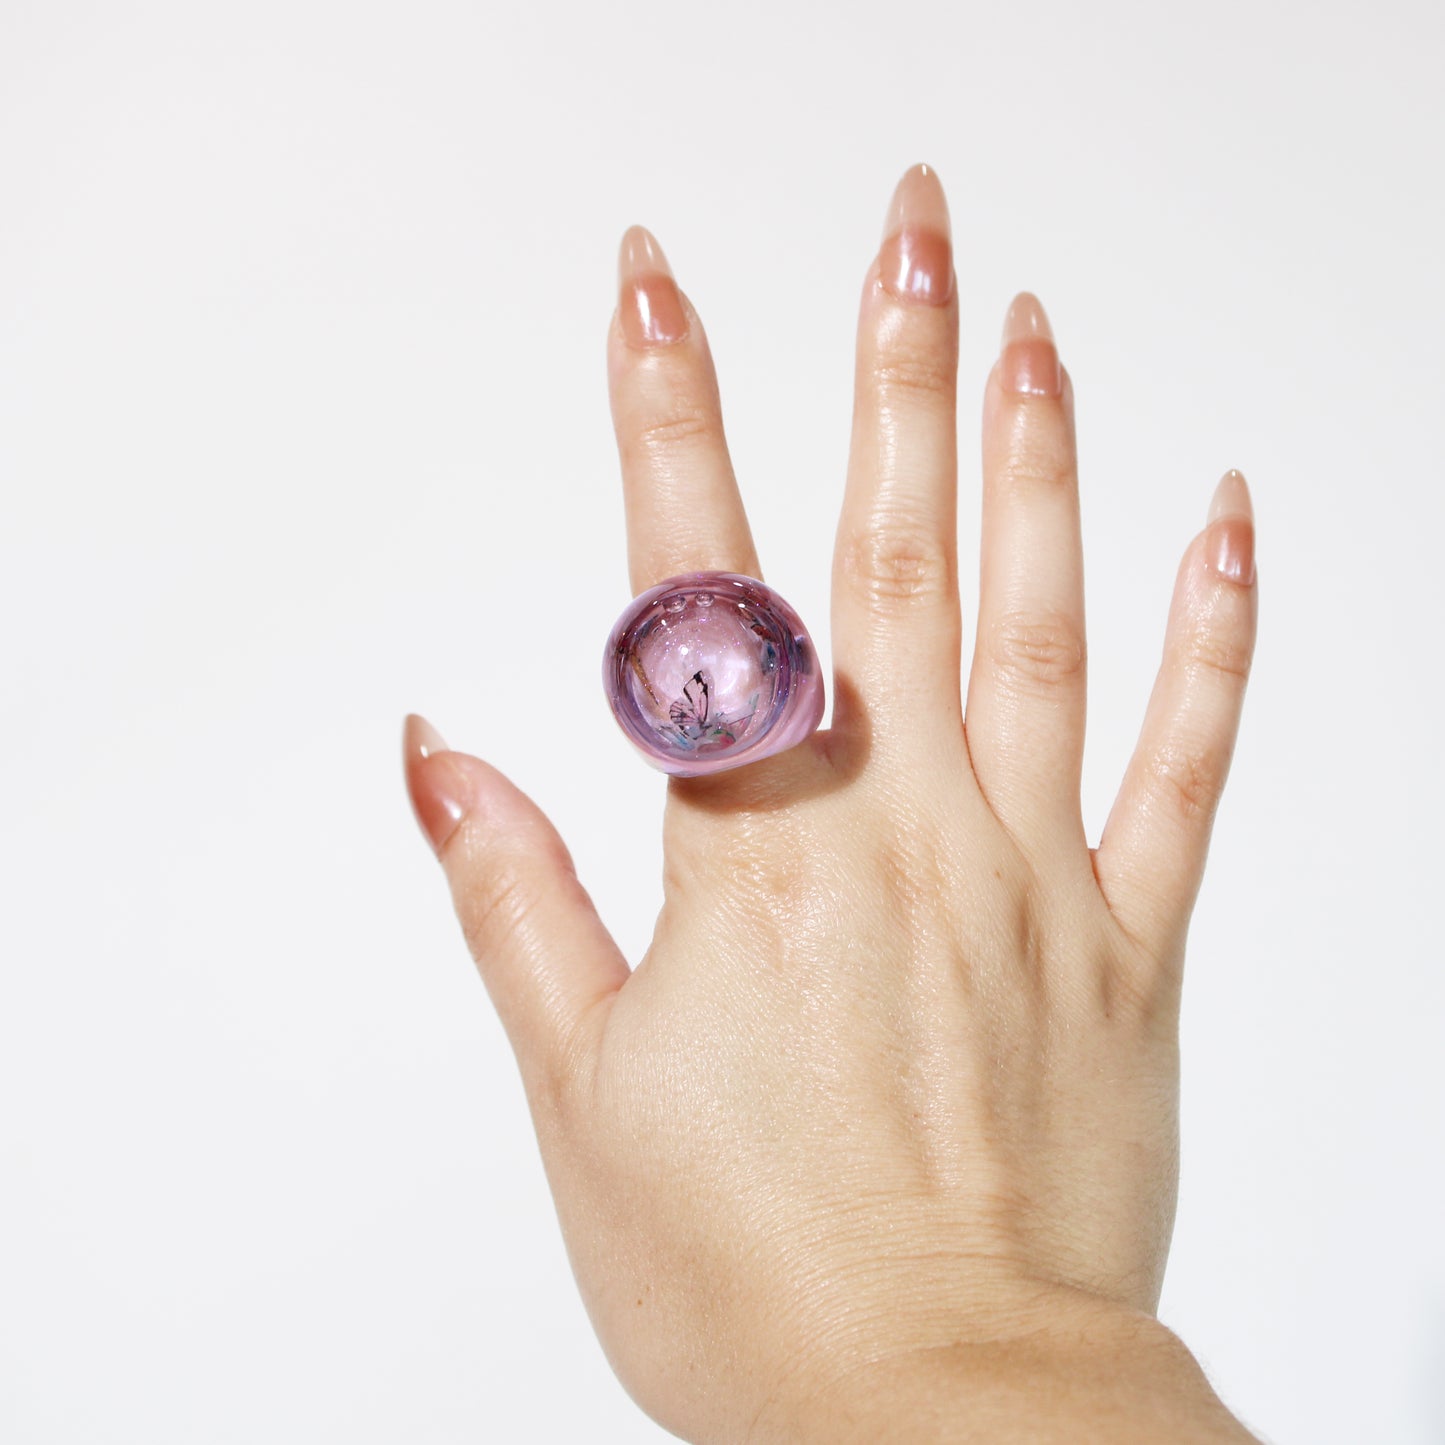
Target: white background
x=303 y=424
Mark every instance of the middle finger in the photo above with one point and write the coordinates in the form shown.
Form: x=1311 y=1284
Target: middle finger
x=896 y=619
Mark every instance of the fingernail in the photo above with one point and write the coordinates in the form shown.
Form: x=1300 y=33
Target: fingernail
x=1028 y=358
x=916 y=257
x=648 y=299
x=440 y=790
x=1231 y=497
x=1229 y=539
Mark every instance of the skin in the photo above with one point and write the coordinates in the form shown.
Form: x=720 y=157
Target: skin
x=896 y=1155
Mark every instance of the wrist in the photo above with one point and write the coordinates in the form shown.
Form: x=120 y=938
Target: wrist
x=1095 y=1371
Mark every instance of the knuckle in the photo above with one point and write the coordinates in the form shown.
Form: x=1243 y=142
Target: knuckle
x=916 y=880
x=771 y=870
x=557 y=1077
x=898 y=563
x=1191 y=779
x=1036 y=466
x=1215 y=653
x=1132 y=986
x=1037 y=651
x=680 y=425
x=553 y=1053
x=910 y=373
x=496 y=912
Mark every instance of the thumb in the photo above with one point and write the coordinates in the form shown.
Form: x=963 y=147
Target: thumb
x=548 y=961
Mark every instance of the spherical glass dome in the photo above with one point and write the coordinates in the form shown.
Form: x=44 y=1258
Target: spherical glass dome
x=709 y=671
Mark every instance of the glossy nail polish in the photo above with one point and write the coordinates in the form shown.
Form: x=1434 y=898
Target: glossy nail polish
x=916 y=257
x=1231 y=497
x=1229 y=539
x=709 y=671
x=440 y=791
x=649 y=305
x=1028 y=358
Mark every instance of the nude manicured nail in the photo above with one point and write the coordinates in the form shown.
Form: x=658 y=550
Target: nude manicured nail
x=1231 y=497
x=648 y=300
x=1229 y=539
x=440 y=790
x=1028 y=358
x=916 y=257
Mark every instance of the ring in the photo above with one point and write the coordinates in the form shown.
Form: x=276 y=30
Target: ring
x=709 y=671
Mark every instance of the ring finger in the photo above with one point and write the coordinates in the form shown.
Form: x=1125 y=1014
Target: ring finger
x=1025 y=715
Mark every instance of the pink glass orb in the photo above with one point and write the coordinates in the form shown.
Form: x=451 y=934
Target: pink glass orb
x=710 y=671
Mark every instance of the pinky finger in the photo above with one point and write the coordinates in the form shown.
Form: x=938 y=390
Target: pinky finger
x=1150 y=860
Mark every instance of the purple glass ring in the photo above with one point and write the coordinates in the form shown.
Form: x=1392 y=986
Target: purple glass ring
x=710 y=671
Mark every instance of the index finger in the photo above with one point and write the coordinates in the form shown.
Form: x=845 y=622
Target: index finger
x=684 y=512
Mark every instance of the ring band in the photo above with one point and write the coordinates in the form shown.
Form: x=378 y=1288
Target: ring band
x=709 y=671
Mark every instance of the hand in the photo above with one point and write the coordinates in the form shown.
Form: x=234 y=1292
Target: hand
x=894 y=1091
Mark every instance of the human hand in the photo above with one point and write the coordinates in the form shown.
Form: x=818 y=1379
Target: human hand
x=896 y=1083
